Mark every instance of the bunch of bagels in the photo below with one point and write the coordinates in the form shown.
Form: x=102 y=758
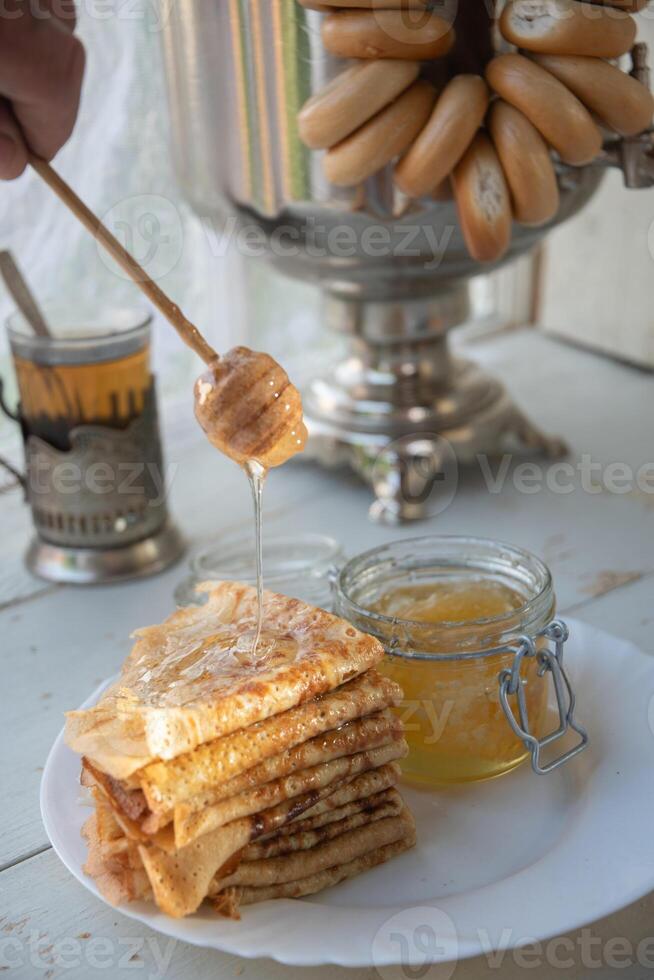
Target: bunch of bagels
x=486 y=139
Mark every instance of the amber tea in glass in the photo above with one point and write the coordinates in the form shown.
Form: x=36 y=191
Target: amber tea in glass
x=90 y=372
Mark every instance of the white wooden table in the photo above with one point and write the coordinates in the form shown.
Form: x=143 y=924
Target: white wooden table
x=58 y=643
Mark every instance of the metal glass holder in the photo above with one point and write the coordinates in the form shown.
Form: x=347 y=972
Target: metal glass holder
x=122 y=532
x=94 y=464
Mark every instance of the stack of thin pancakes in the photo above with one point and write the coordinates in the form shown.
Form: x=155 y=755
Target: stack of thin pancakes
x=240 y=773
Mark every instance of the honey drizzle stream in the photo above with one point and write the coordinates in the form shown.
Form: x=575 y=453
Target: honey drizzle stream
x=257 y=476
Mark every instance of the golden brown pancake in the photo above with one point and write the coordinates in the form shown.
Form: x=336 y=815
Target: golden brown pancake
x=196 y=678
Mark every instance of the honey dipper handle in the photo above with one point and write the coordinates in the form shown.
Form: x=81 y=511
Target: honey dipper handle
x=187 y=331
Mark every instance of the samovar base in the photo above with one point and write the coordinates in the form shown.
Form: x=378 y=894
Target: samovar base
x=102 y=566
x=407 y=472
x=406 y=415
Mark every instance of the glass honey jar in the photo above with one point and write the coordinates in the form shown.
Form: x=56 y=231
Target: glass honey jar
x=469 y=630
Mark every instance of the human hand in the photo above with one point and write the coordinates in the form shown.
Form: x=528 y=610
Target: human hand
x=41 y=71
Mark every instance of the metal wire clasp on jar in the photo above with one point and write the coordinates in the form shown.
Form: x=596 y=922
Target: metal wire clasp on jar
x=471 y=636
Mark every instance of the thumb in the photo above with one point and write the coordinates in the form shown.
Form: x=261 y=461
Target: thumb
x=13 y=153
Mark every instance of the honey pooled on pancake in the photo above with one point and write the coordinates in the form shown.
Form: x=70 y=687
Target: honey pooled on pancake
x=249 y=409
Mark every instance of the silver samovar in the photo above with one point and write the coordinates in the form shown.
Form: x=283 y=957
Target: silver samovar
x=238 y=73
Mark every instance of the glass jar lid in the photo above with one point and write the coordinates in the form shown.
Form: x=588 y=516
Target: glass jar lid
x=299 y=565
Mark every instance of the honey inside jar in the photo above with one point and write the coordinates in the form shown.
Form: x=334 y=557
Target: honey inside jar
x=450 y=602
x=447 y=626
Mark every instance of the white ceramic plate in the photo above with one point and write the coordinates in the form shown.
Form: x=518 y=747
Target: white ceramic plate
x=498 y=863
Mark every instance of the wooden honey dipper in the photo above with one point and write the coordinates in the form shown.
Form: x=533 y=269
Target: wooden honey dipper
x=245 y=402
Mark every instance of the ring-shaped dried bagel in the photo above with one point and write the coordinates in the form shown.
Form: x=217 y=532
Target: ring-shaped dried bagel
x=554 y=94
x=527 y=164
x=483 y=201
x=567 y=27
x=557 y=114
x=380 y=140
x=351 y=99
x=386 y=34
x=458 y=114
x=618 y=100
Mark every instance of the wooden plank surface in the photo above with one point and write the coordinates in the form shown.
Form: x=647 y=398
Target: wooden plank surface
x=16 y=583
